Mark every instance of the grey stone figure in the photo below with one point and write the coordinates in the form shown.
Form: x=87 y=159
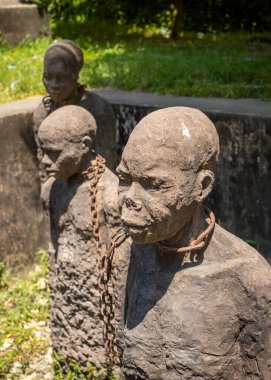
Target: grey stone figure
x=66 y=138
x=193 y=301
x=62 y=64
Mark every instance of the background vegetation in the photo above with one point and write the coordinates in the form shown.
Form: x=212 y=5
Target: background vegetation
x=195 y=15
x=219 y=48
x=24 y=313
x=25 y=345
x=196 y=65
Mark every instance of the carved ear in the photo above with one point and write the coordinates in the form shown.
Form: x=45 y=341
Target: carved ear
x=204 y=184
x=87 y=143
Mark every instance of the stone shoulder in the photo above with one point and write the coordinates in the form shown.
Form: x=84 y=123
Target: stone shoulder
x=241 y=260
x=96 y=104
x=239 y=249
x=39 y=115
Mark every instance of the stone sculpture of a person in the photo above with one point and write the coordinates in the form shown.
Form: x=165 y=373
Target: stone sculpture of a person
x=193 y=301
x=66 y=138
x=62 y=64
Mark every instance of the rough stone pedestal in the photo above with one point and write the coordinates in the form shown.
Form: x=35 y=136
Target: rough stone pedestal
x=18 y=20
x=22 y=226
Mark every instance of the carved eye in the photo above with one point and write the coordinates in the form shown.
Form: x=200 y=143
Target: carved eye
x=151 y=184
x=46 y=76
x=124 y=180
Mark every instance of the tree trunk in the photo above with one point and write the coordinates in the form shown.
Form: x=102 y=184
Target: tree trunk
x=177 y=18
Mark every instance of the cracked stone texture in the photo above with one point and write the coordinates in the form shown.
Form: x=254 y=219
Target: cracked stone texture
x=66 y=137
x=205 y=315
x=75 y=314
x=189 y=321
x=21 y=218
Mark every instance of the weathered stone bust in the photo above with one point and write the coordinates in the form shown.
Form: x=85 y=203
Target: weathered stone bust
x=66 y=138
x=193 y=301
x=62 y=64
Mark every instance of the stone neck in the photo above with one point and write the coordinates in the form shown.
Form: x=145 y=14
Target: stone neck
x=195 y=225
x=86 y=163
x=74 y=97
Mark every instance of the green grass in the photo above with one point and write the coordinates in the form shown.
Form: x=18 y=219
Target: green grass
x=24 y=313
x=20 y=70
x=74 y=371
x=25 y=343
x=210 y=66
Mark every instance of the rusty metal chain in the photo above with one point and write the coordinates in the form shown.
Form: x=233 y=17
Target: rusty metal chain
x=107 y=297
x=196 y=244
x=107 y=307
x=93 y=173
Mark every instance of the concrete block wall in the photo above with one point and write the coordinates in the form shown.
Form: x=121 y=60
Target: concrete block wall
x=22 y=227
x=18 y=20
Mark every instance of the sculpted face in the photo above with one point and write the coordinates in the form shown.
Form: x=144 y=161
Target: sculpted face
x=62 y=159
x=159 y=181
x=66 y=137
x=154 y=196
x=59 y=77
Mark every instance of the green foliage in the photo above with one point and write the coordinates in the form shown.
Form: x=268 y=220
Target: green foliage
x=191 y=68
x=69 y=370
x=197 y=15
x=21 y=69
x=71 y=9
x=43 y=259
x=227 y=15
x=24 y=311
x=197 y=65
x=4 y=274
x=25 y=344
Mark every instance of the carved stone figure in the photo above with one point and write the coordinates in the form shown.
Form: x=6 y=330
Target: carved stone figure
x=81 y=190
x=62 y=64
x=193 y=301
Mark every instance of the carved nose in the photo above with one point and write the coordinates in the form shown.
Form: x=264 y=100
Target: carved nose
x=46 y=160
x=133 y=205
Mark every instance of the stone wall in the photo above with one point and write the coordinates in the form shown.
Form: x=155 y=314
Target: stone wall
x=241 y=198
x=18 y=20
x=22 y=227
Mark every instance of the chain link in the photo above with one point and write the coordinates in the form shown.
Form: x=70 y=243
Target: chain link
x=106 y=286
x=196 y=244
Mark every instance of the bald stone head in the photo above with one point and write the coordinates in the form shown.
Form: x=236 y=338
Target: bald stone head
x=166 y=172
x=66 y=137
x=62 y=63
